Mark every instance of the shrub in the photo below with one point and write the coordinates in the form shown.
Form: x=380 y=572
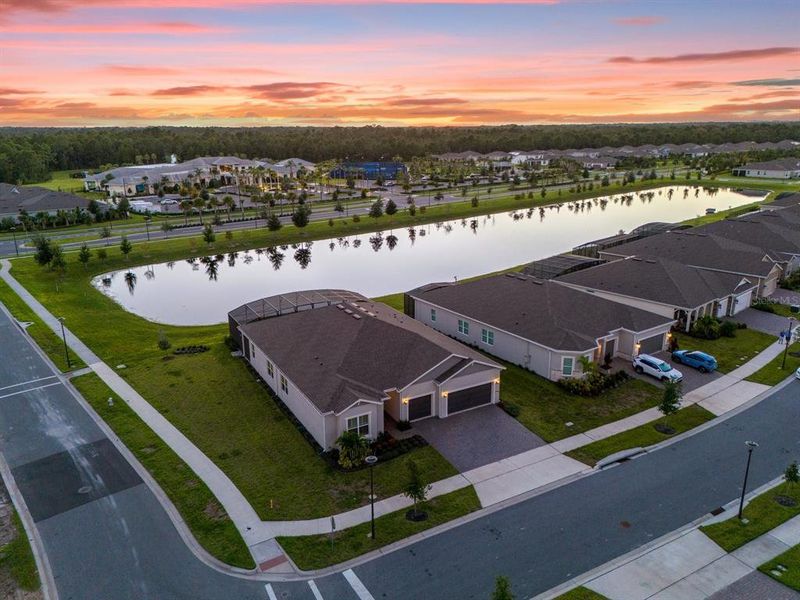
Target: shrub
x=728 y=329
x=353 y=449
x=163 y=342
x=403 y=425
x=764 y=306
x=593 y=384
x=706 y=328
x=356 y=219
x=511 y=408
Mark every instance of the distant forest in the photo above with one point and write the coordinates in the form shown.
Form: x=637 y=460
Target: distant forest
x=29 y=154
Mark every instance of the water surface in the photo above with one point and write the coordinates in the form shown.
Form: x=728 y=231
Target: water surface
x=202 y=291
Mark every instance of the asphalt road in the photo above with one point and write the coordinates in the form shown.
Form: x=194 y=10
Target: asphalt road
x=107 y=537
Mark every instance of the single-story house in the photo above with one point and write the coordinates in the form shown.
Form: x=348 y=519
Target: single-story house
x=340 y=367
x=709 y=252
x=781 y=168
x=665 y=287
x=538 y=324
x=34 y=199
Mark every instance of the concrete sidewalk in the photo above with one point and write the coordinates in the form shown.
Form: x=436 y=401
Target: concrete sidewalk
x=693 y=567
x=494 y=483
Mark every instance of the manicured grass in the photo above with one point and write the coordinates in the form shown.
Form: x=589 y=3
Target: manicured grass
x=545 y=408
x=772 y=373
x=17 y=557
x=763 y=514
x=580 y=593
x=723 y=214
x=393 y=300
x=729 y=352
x=315 y=551
x=49 y=342
x=790 y=561
x=61 y=180
x=199 y=508
x=642 y=436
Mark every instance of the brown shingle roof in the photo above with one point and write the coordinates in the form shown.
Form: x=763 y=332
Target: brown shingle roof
x=335 y=358
x=544 y=312
x=659 y=280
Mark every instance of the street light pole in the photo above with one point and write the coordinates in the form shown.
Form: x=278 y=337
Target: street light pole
x=750 y=447
x=64 y=337
x=788 y=341
x=371 y=460
x=14 y=234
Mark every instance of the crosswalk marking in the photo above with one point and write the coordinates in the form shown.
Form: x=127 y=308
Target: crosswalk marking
x=359 y=588
x=270 y=592
x=41 y=387
x=315 y=590
x=27 y=382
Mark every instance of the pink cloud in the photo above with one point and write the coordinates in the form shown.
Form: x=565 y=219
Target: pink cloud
x=708 y=56
x=643 y=21
x=136 y=28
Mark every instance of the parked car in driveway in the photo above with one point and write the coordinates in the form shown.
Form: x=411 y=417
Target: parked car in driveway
x=705 y=363
x=655 y=367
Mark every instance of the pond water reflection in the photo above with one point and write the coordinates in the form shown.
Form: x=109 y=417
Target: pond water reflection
x=202 y=291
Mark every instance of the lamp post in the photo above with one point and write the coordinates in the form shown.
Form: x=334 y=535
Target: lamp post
x=64 y=337
x=788 y=341
x=371 y=460
x=14 y=234
x=750 y=447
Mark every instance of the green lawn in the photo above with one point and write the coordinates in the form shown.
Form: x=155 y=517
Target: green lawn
x=772 y=373
x=545 y=408
x=17 y=557
x=788 y=565
x=580 y=593
x=763 y=514
x=642 y=436
x=316 y=551
x=48 y=341
x=729 y=352
x=199 y=508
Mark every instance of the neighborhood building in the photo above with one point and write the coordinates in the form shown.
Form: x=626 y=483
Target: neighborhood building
x=781 y=168
x=709 y=252
x=15 y=200
x=666 y=287
x=538 y=324
x=344 y=365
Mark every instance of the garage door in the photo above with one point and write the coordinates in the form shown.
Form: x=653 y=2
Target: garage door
x=743 y=301
x=652 y=344
x=469 y=398
x=419 y=407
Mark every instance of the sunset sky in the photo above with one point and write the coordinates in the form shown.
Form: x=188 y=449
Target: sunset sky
x=261 y=62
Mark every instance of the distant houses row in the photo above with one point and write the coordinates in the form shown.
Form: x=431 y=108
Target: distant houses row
x=607 y=156
x=341 y=362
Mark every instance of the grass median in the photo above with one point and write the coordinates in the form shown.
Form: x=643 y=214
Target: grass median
x=774 y=372
x=16 y=558
x=785 y=568
x=642 y=436
x=763 y=514
x=316 y=551
x=201 y=511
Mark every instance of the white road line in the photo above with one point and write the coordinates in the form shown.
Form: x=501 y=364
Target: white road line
x=359 y=588
x=41 y=387
x=27 y=382
x=315 y=590
x=270 y=592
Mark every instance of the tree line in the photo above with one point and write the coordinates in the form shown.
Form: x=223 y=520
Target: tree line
x=29 y=154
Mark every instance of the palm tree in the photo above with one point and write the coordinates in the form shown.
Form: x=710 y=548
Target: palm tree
x=229 y=204
x=186 y=206
x=199 y=204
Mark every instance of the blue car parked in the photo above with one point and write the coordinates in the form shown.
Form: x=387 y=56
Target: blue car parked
x=705 y=363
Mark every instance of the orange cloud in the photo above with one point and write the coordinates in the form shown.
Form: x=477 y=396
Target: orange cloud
x=640 y=21
x=707 y=56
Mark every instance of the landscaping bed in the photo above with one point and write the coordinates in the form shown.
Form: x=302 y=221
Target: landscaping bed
x=316 y=551
x=730 y=352
x=545 y=408
x=772 y=373
x=580 y=593
x=763 y=514
x=642 y=436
